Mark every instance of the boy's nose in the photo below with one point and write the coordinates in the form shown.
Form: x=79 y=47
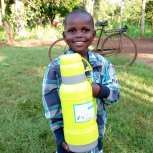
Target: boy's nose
x=78 y=34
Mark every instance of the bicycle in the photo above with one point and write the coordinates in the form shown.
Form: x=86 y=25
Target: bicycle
x=115 y=43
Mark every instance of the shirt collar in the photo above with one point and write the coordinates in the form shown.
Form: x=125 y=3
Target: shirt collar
x=92 y=58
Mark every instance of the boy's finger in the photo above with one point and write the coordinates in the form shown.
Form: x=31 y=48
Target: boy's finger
x=66 y=147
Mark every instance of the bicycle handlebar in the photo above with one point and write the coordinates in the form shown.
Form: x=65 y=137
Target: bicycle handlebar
x=121 y=30
x=125 y=28
x=105 y=23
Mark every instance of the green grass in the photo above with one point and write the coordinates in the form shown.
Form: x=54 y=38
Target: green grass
x=24 y=128
x=130 y=122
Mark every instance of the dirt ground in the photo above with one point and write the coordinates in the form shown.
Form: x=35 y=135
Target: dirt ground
x=145 y=48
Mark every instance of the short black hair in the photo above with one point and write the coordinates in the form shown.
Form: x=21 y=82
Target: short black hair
x=78 y=11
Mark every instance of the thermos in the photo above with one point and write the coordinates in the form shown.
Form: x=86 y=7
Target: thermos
x=78 y=104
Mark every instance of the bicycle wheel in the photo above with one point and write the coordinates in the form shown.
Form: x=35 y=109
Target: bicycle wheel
x=122 y=47
x=57 y=48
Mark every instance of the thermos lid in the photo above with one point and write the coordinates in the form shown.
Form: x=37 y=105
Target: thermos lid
x=70 y=59
x=71 y=65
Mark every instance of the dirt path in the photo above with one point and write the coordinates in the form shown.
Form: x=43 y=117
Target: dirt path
x=145 y=48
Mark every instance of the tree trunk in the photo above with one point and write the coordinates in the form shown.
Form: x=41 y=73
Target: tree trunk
x=2 y=7
x=7 y=27
x=2 y=11
x=121 y=9
x=1 y=19
x=19 y=22
x=143 y=17
x=89 y=6
x=51 y=18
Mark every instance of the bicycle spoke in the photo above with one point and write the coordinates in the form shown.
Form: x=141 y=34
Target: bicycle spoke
x=122 y=48
x=129 y=50
x=111 y=44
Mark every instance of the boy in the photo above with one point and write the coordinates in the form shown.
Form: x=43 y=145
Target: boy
x=79 y=34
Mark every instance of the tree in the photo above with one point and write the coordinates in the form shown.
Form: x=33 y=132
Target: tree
x=2 y=13
x=47 y=10
x=132 y=11
x=2 y=7
x=51 y=8
x=121 y=9
x=89 y=6
x=149 y=12
x=6 y=11
x=105 y=10
x=33 y=15
x=18 y=16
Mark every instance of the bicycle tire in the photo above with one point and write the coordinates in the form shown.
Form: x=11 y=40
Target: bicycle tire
x=55 y=44
x=125 y=45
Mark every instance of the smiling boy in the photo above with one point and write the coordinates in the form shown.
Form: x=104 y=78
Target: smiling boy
x=78 y=34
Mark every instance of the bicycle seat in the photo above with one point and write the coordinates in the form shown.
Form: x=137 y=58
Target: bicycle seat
x=104 y=23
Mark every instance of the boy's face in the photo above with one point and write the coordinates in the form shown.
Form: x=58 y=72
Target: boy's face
x=79 y=32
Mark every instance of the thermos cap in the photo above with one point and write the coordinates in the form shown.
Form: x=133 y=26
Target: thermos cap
x=70 y=59
x=71 y=65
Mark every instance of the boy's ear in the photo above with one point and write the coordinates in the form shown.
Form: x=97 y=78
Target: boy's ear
x=94 y=33
x=63 y=34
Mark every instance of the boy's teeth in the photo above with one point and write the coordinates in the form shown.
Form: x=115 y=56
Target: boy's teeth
x=79 y=42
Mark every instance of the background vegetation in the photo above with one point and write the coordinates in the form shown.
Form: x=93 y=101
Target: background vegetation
x=27 y=19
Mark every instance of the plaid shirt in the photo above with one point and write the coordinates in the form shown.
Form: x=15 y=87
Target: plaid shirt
x=103 y=73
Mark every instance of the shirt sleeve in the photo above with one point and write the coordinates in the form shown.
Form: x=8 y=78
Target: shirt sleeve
x=109 y=79
x=51 y=102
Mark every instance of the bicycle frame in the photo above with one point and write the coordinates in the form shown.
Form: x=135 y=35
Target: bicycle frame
x=110 y=50
x=107 y=32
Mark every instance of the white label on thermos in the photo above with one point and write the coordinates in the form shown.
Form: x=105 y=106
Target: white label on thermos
x=84 y=112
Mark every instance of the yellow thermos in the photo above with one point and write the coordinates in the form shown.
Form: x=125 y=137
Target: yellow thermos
x=78 y=104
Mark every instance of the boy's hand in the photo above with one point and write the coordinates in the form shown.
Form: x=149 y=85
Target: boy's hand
x=95 y=89
x=66 y=147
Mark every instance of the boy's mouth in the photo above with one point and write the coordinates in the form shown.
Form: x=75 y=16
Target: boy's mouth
x=79 y=42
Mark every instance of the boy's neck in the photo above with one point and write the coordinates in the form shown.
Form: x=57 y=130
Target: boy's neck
x=84 y=55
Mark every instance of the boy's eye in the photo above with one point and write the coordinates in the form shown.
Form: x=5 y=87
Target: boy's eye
x=85 y=30
x=71 y=30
